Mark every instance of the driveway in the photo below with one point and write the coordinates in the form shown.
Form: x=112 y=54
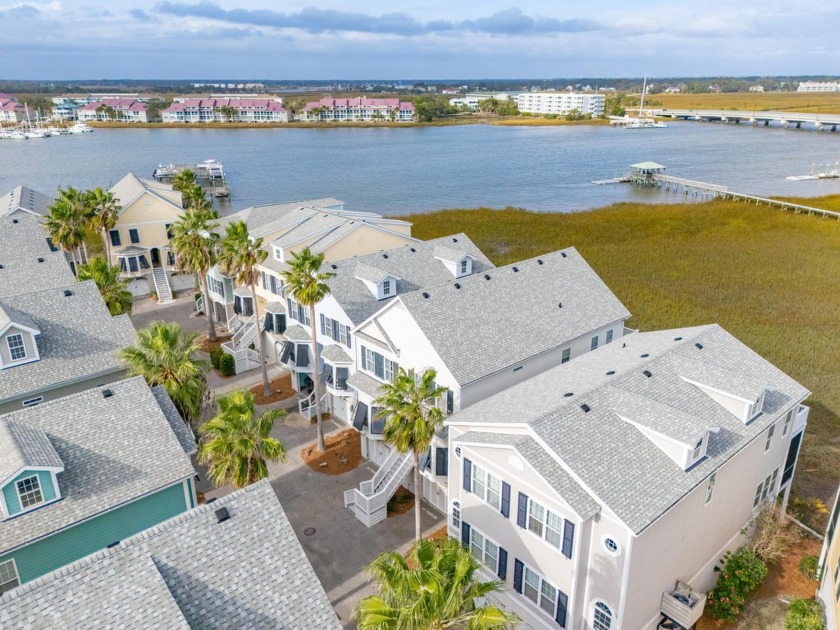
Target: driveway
x=340 y=547
x=179 y=310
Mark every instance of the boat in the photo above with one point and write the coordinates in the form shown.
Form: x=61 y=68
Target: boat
x=629 y=122
x=214 y=168
x=80 y=127
x=56 y=131
x=16 y=134
x=36 y=133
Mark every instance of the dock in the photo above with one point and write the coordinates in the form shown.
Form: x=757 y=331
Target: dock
x=209 y=174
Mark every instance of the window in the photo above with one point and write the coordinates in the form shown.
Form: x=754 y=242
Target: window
x=602 y=620
x=456 y=515
x=386 y=287
x=611 y=545
x=484 y=549
x=8 y=576
x=216 y=286
x=336 y=331
x=450 y=402
x=766 y=489
x=567 y=354
x=788 y=418
x=546 y=524
x=486 y=486
x=769 y=441
x=539 y=591
x=134 y=236
x=33 y=401
x=698 y=450
x=115 y=238
x=464 y=264
x=710 y=489
x=16 y=348
x=594 y=343
x=169 y=231
x=29 y=492
x=609 y=336
x=378 y=365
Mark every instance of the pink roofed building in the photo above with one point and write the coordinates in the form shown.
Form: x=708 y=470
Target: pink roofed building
x=10 y=109
x=358 y=109
x=121 y=109
x=208 y=110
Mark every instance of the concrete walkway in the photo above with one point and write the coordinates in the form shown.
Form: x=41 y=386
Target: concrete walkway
x=180 y=310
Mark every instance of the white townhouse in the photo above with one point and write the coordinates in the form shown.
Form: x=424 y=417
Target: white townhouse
x=322 y=225
x=482 y=333
x=124 y=110
x=560 y=103
x=208 y=110
x=603 y=492
x=358 y=109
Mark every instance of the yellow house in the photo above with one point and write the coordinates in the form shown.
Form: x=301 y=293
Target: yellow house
x=829 y=591
x=139 y=242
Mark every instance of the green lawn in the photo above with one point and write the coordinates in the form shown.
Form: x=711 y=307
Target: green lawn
x=769 y=277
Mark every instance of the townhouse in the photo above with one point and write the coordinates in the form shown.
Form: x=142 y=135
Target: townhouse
x=560 y=103
x=11 y=110
x=232 y=564
x=829 y=588
x=604 y=491
x=86 y=471
x=482 y=333
x=208 y=110
x=139 y=241
x=121 y=109
x=23 y=199
x=360 y=109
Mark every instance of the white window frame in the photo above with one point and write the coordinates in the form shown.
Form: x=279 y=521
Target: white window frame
x=698 y=449
x=769 y=442
x=566 y=356
x=386 y=288
x=35 y=490
x=593 y=343
x=540 y=594
x=12 y=349
x=606 y=622
x=786 y=426
x=464 y=266
x=710 y=488
x=456 y=515
x=4 y=585
x=609 y=336
x=609 y=539
x=483 y=555
x=486 y=494
x=542 y=523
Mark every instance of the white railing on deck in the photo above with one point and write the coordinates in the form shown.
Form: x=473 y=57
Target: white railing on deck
x=371 y=509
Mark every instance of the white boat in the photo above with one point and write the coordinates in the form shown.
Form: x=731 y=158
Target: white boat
x=55 y=131
x=627 y=122
x=35 y=133
x=16 y=134
x=80 y=127
x=214 y=168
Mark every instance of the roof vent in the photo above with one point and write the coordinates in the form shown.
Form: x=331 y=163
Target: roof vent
x=334 y=266
x=425 y=295
x=677 y=338
x=611 y=372
x=14 y=220
x=454 y=240
x=412 y=250
x=222 y=515
x=515 y=269
x=585 y=408
x=107 y=393
x=568 y=394
x=67 y=293
x=113 y=544
x=486 y=276
x=647 y=373
x=457 y=285
x=1 y=266
x=384 y=255
x=560 y=305
x=563 y=254
x=213 y=500
x=539 y=261
x=645 y=355
x=699 y=346
x=40 y=260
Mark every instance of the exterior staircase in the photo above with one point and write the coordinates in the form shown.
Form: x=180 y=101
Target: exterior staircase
x=306 y=407
x=369 y=503
x=244 y=333
x=162 y=288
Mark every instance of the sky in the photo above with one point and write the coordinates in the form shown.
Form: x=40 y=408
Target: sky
x=433 y=39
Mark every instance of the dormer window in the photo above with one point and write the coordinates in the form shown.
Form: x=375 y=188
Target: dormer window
x=464 y=266
x=17 y=349
x=386 y=288
x=278 y=254
x=29 y=492
x=698 y=450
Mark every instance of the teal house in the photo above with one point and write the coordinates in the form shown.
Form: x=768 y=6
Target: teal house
x=83 y=472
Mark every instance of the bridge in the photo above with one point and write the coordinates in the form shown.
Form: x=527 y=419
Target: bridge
x=781 y=118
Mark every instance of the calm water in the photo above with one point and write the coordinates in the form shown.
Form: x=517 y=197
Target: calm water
x=399 y=171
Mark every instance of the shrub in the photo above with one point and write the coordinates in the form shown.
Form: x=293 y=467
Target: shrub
x=227 y=366
x=742 y=572
x=216 y=355
x=809 y=567
x=771 y=538
x=804 y=614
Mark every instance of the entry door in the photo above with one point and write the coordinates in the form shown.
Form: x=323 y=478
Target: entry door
x=155 y=254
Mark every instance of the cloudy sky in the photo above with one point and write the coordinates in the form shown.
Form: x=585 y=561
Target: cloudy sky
x=328 y=39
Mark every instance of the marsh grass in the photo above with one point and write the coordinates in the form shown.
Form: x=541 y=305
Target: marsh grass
x=771 y=278
x=824 y=102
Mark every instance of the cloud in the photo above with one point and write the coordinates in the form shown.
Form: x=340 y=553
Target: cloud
x=22 y=12
x=314 y=20
x=141 y=15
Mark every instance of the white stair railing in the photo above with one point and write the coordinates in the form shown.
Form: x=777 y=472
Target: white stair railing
x=162 y=288
x=306 y=407
x=372 y=509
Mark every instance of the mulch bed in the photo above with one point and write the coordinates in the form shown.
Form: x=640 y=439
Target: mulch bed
x=343 y=454
x=438 y=534
x=401 y=502
x=281 y=389
x=207 y=345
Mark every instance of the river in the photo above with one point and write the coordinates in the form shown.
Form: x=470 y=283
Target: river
x=419 y=169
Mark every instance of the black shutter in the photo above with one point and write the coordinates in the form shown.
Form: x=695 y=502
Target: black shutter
x=379 y=365
x=286 y=353
x=302 y=356
x=441 y=461
x=465 y=534
x=360 y=417
x=363 y=352
x=280 y=325
x=450 y=401
x=568 y=539
x=323 y=325
x=522 y=513
x=517 y=576
x=341 y=376
x=467 y=475
x=349 y=341
x=269 y=322
x=237 y=304
x=562 y=604
x=502 y=572
x=505 y=499
x=116 y=241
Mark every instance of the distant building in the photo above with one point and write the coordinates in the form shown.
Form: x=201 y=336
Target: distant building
x=358 y=109
x=120 y=109
x=757 y=88
x=672 y=90
x=472 y=99
x=209 y=110
x=560 y=103
x=819 y=86
x=10 y=109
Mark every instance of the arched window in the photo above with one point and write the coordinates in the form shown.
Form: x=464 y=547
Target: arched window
x=603 y=617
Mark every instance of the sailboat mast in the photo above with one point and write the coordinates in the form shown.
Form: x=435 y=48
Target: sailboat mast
x=642 y=100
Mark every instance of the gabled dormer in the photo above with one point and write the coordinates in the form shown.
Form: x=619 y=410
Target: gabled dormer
x=740 y=395
x=277 y=252
x=29 y=469
x=683 y=437
x=458 y=263
x=381 y=284
x=18 y=338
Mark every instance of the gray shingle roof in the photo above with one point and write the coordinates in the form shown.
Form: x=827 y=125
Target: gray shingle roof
x=79 y=339
x=262 y=220
x=415 y=265
x=369 y=274
x=26 y=199
x=365 y=384
x=179 y=427
x=114 y=450
x=479 y=326
x=23 y=446
x=720 y=378
x=448 y=254
x=22 y=232
x=249 y=571
x=613 y=460
x=298 y=334
x=9 y=315
x=335 y=354
x=22 y=272
x=683 y=427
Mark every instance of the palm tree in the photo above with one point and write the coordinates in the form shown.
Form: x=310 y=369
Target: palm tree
x=183 y=180
x=118 y=298
x=308 y=285
x=411 y=419
x=239 y=257
x=194 y=197
x=106 y=211
x=434 y=588
x=66 y=227
x=164 y=355
x=196 y=243
x=236 y=442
